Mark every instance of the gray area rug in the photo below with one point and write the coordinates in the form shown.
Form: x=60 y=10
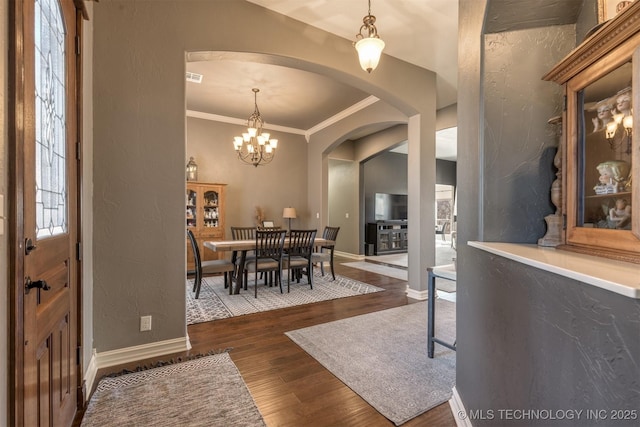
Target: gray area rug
x=393 y=373
x=216 y=303
x=208 y=391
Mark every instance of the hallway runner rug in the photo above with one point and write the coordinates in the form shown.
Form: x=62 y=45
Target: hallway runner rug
x=393 y=373
x=207 y=391
x=215 y=302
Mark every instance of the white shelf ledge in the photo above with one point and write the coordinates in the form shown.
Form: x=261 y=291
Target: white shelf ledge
x=616 y=276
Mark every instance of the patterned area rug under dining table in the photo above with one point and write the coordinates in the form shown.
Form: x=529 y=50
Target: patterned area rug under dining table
x=215 y=302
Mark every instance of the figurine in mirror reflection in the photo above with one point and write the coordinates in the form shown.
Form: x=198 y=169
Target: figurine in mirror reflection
x=620 y=215
x=604 y=115
x=614 y=177
x=623 y=102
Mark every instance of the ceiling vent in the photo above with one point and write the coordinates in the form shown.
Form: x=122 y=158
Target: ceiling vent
x=194 y=77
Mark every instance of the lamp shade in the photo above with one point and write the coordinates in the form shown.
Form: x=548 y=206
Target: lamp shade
x=369 y=51
x=289 y=213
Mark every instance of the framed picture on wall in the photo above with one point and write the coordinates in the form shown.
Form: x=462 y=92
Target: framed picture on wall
x=607 y=9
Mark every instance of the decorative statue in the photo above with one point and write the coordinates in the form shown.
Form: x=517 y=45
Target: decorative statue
x=620 y=215
x=259 y=216
x=554 y=235
x=614 y=177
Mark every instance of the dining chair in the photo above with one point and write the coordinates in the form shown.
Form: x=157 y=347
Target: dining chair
x=268 y=255
x=298 y=257
x=442 y=230
x=325 y=252
x=242 y=233
x=217 y=266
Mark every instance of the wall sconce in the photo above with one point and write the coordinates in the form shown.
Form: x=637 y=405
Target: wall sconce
x=627 y=123
x=192 y=170
x=610 y=131
x=612 y=128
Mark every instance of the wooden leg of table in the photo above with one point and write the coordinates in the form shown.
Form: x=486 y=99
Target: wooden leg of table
x=240 y=275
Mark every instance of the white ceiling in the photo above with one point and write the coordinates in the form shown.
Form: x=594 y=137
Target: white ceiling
x=422 y=32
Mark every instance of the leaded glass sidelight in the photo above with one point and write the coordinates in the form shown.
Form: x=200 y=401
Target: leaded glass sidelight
x=50 y=131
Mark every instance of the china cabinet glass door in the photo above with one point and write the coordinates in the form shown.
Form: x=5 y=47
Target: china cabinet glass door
x=605 y=144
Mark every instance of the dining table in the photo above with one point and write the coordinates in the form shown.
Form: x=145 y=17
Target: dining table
x=244 y=246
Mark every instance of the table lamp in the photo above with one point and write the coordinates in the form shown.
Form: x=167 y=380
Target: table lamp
x=289 y=213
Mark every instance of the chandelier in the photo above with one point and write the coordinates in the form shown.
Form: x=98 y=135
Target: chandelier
x=369 y=46
x=254 y=146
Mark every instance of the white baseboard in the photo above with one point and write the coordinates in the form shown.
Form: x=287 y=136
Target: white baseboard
x=140 y=352
x=90 y=375
x=459 y=413
x=417 y=295
x=132 y=354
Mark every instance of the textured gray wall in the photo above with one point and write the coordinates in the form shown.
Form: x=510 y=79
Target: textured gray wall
x=527 y=338
x=139 y=140
x=518 y=144
x=530 y=339
x=343 y=200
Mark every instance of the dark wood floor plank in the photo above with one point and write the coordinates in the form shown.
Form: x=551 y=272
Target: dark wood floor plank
x=290 y=387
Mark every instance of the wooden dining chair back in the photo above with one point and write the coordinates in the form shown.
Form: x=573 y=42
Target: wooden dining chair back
x=298 y=257
x=325 y=252
x=218 y=266
x=243 y=233
x=268 y=255
x=197 y=269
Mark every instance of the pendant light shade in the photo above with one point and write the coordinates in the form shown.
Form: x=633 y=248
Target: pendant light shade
x=368 y=44
x=369 y=51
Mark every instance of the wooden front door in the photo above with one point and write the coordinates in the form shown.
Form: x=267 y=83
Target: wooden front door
x=46 y=176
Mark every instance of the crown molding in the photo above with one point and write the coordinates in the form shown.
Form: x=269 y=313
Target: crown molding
x=241 y=122
x=307 y=133
x=370 y=100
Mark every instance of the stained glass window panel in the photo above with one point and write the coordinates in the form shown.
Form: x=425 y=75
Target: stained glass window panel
x=50 y=132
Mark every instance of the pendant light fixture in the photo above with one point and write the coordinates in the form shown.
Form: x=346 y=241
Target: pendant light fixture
x=369 y=45
x=255 y=147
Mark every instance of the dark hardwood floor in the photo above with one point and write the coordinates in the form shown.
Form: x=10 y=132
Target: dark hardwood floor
x=290 y=387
